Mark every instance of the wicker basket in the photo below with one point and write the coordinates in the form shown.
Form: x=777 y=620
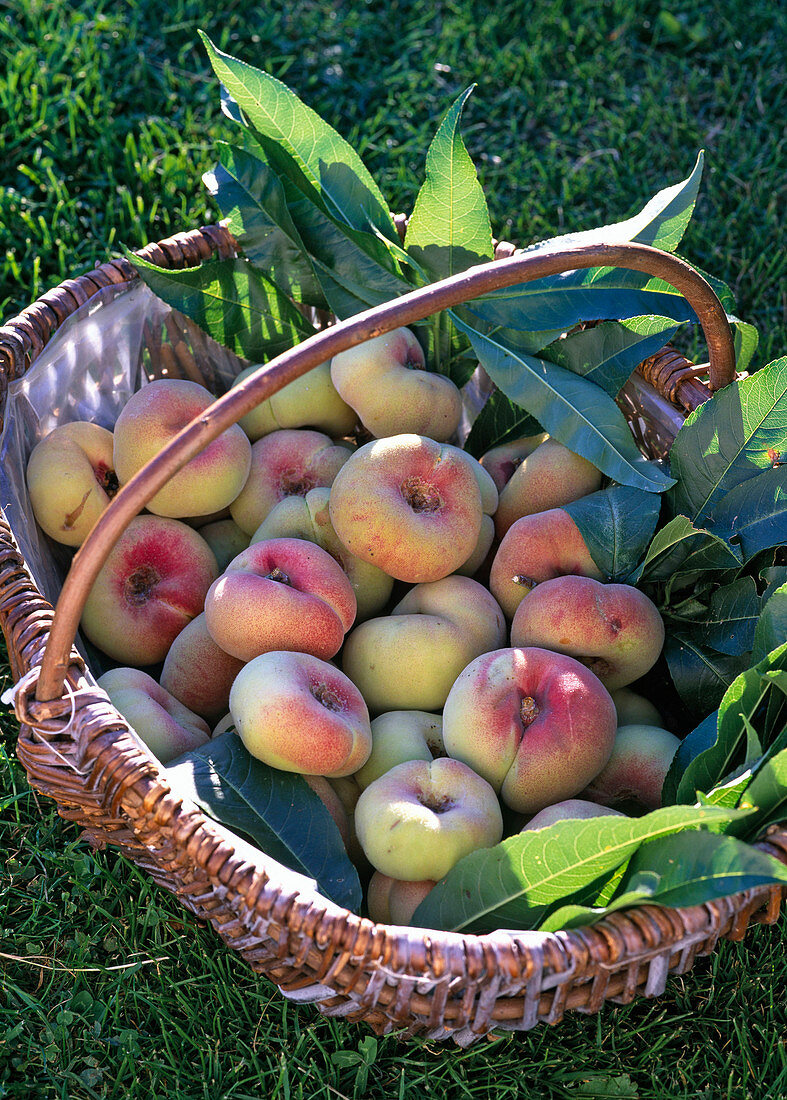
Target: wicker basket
x=78 y=749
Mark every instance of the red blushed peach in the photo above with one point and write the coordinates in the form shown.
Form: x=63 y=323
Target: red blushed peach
x=501 y=462
x=392 y=900
x=537 y=548
x=285 y=463
x=309 y=518
x=409 y=506
x=571 y=809
x=420 y=818
x=409 y=659
x=198 y=672
x=637 y=767
x=150 y=419
x=71 y=479
x=384 y=381
x=324 y=790
x=280 y=594
x=614 y=629
x=536 y=725
x=310 y=401
x=152 y=584
x=549 y=477
x=161 y=721
x=300 y=714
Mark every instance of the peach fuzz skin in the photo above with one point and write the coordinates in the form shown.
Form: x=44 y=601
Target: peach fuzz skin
x=150 y=419
x=614 y=629
x=298 y=713
x=409 y=659
x=285 y=463
x=502 y=461
x=310 y=401
x=384 y=381
x=419 y=819
x=637 y=768
x=394 y=900
x=280 y=594
x=409 y=506
x=571 y=809
x=198 y=672
x=537 y=548
x=550 y=476
x=166 y=726
x=536 y=725
x=152 y=584
x=71 y=479
x=309 y=518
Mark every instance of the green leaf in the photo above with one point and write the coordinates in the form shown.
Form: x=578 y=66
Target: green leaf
x=772 y=626
x=500 y=421
x=754 y=513
x=681 y=552
x=277 y=811
x=449 y=228
x=513 y=884
x=353 y=268
x=698 y=867
x=690 y=747
x=324 y=157
x=607 y=353
x=251 y=196
x=729 y=440
x=233 y=303
x=746 y=339
x=729 y=793
x=576 y=916
x=575 y=412
x=617 y=524
x=744 y=698
x=728 y=623
x=767 y=791
x=701 y=674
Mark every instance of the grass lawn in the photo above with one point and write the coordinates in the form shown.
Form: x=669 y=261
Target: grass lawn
x=582 y=111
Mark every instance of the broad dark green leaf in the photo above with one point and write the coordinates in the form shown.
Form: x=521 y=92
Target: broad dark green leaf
x=449 y=228
x=576 y=916
x=326 y=159
x=743 y=699
x=233 y=303
x=772 y=626
x=746 y=340
x=513 y=884
x=353 y=268
x=251 y=197
x=559 y=302
x=754 y=514
x=575 y=412
x=607 y=353
x=698 y=867
x=729 y=440
x=700 y=739
x=774 y=577
x=500 y=421
x=277 y=811
x=701 y=675
x=728 y=623
x=680 y=553
x=729 y=793
x=617 y=524
x=767 y=791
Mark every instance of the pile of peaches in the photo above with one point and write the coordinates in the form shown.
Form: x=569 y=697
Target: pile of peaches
x=423 y=635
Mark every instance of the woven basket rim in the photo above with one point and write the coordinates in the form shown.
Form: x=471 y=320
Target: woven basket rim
x=387 y=975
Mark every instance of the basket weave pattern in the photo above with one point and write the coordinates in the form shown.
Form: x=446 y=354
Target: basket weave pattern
x=81 y=752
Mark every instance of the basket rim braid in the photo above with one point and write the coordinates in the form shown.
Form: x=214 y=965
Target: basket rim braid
x=77 y=749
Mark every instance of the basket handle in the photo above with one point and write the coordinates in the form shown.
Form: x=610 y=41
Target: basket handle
x=405 y=310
